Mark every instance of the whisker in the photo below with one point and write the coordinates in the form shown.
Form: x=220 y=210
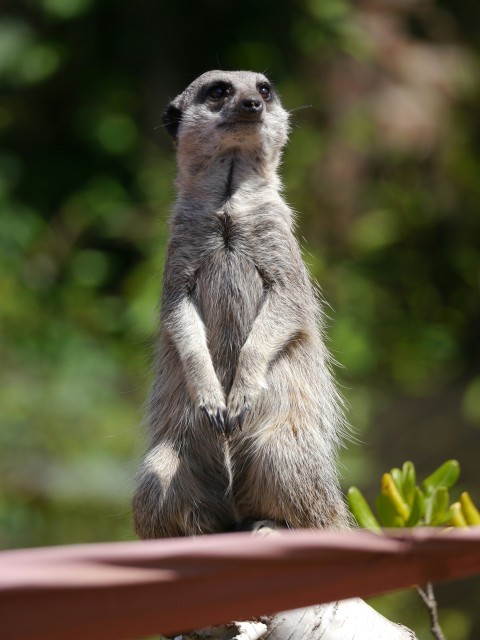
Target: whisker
x=305 y=106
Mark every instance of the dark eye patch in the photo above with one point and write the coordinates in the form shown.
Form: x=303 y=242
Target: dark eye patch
x=218 y=91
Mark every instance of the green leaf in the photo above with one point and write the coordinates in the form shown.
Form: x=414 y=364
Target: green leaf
x=386 y=512
x=397 y=478
x=428 y=511
x=440 y=501
x=409 y=482
x=361 y=511
x=445 y=476
x=418 y=508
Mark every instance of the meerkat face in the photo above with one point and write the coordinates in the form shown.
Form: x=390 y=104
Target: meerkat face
x=223 y=110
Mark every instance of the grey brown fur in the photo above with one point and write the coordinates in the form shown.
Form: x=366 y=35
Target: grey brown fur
x=244 y=418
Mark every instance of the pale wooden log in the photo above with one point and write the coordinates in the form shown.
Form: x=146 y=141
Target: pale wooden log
x=348 y=619
x=345 y=620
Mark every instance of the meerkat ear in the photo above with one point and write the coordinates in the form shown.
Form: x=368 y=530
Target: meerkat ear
x=171 y=119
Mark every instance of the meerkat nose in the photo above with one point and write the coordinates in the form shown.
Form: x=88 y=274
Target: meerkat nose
x=251 y=105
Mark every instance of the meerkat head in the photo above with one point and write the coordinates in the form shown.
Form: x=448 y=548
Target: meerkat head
x=223 y=111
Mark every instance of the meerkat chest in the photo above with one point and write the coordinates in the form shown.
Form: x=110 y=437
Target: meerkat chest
x=225 y=232
x=228 y=232
x=228 y=282
x=228 y=266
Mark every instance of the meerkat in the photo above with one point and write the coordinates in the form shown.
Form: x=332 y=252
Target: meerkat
x=244 y=418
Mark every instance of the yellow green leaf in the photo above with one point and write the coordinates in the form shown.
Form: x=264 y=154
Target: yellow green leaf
x=386 y=512
x=389 y=489
x=457 y=518
x=469 y=510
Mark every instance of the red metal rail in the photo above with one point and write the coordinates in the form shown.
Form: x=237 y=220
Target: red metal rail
x=129 y=590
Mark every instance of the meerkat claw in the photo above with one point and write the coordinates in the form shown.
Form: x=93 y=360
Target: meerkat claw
x=235 y=421
x=216 y=419
x=220 y=421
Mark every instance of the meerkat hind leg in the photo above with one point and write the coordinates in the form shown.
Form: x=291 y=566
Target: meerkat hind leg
x=180 y=494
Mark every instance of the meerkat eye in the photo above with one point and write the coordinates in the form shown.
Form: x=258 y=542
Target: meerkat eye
x=219 y=91
x=265 y=91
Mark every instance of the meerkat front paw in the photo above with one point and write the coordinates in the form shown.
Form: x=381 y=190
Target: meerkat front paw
x=212 y=404
x=240 y=402
x=238 y=406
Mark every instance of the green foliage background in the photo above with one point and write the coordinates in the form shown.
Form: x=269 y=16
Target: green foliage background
x=383 y=166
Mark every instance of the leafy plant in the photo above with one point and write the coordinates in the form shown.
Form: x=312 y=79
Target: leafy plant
x=402 y=503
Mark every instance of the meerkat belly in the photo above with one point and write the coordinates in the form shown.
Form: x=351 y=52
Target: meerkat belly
x=230 y=293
